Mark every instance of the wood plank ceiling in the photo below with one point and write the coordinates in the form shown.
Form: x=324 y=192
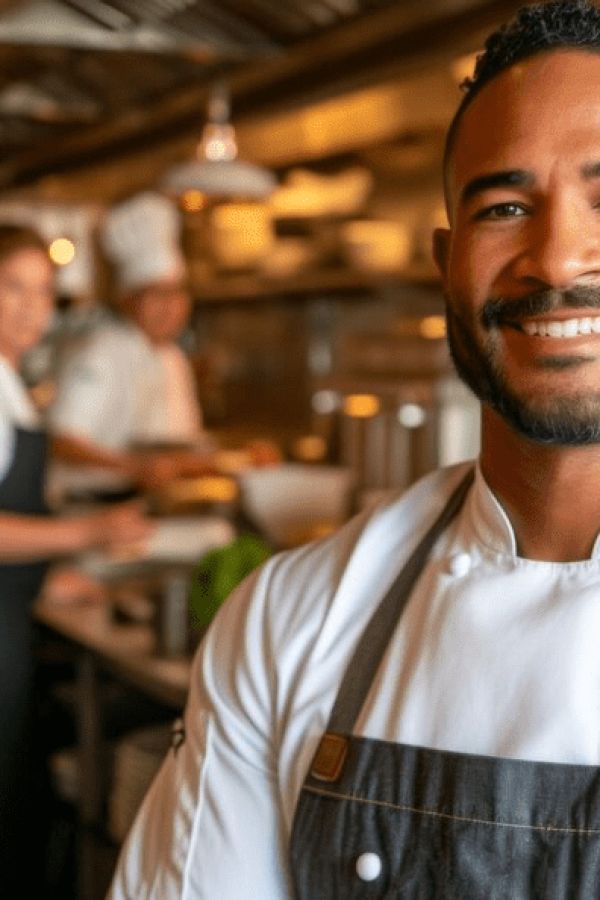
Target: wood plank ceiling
x=86 y=85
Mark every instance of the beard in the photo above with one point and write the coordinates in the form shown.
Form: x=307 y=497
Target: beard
x=560 y=420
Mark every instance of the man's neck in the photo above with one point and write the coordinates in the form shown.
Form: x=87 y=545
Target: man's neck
x=550 y=494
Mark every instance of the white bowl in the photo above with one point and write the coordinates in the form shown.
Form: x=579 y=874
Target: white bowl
x=294 y=501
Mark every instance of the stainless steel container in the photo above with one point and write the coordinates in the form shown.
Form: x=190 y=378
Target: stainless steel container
x=173 y=615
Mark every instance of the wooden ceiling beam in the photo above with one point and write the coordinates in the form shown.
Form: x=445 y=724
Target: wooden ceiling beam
x=224 y=19
x=101 y=14
x=393 y=42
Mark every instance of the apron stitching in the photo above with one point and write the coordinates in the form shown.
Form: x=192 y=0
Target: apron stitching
x=440 y=815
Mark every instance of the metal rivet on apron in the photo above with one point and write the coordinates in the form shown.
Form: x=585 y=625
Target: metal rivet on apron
x=330 y=758
x=368 y=866
x=460 y=564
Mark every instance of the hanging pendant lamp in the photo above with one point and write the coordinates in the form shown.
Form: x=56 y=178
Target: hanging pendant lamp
x=217 y=172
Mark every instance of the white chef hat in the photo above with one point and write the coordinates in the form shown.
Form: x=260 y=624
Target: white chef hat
x=141 y=238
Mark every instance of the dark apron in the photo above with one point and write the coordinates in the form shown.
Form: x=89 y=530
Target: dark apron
x=380 y=820
x=21 y=491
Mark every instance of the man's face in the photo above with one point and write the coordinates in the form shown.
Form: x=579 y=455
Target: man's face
x=521 y=260
x=162 y=309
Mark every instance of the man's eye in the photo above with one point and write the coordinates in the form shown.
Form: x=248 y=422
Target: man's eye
x=501 y=211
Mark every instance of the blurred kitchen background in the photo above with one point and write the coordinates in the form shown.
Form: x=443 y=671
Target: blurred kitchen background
x=303 y=140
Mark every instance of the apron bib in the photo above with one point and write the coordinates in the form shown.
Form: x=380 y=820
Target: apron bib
x=382 y=820
x=21 y=491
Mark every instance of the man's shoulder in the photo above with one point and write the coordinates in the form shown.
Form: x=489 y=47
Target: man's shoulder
x=105 y=345
x=304 y=609
x=116 y=333
x=418 y=504
x=373 y=537
x=313 y=601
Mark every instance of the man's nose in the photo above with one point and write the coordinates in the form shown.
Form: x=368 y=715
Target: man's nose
x=562 y=246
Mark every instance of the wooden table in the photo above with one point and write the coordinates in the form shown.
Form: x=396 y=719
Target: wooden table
x=127 y=652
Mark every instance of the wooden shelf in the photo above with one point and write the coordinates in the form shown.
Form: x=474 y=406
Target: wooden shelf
x=251 y=286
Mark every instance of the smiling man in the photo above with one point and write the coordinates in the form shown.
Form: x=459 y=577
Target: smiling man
x=520 y=263
x=521 y=269
x=411 y=708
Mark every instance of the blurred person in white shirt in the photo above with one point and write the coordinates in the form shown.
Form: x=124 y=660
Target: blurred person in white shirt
x=34 y=545
x=126 y=402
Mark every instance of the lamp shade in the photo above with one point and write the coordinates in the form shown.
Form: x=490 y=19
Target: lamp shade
x=216 y=171
x=222 y=178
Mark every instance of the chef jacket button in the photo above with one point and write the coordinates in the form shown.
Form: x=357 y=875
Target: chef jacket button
x=368 y=866
x=460 y=564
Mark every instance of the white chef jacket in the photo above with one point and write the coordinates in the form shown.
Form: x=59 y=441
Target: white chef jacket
x=114 y=389
x=117 y=388
x=184 y=419
x=16 y=410
x=494 y=655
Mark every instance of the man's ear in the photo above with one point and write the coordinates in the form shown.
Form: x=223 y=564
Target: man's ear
x=441 y=248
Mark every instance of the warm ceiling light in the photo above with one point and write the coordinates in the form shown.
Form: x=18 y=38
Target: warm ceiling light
x=61 y=251
x=361 y=406
x=433 y=327
x=217 y=171
x=218 y=142
x=310 y=448
x=193 y=201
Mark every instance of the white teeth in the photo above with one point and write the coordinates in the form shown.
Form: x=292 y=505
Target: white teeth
x=562 y=329
x=570 y=328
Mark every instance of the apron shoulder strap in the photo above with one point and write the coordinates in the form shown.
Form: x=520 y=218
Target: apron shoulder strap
x=372 y=645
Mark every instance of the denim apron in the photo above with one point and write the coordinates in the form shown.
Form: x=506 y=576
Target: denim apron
x=21 y=491
x=382 y=820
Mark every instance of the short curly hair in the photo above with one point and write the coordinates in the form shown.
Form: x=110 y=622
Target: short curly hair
x=535 y=29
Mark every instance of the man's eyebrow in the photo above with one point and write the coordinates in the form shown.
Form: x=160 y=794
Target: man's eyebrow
x=508 y=178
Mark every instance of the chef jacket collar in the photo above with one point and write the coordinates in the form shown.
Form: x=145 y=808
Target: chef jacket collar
x=490 y=522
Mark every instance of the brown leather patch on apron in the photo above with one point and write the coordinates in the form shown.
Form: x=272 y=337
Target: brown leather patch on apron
x=329 y=760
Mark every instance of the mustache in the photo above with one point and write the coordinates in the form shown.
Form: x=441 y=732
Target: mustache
x=501 y=311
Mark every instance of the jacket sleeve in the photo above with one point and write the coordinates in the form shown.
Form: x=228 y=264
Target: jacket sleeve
x=217 y=822
x=211 y=826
